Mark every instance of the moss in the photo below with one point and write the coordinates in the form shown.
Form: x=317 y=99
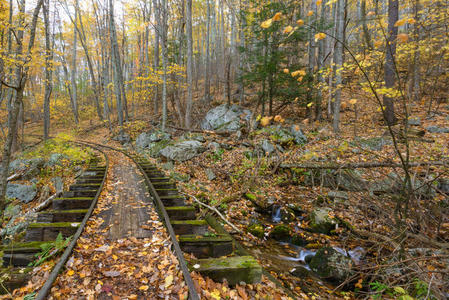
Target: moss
x=177 y=208
x=250 y=197
x=165 y=189
x=172 y=197
x=22 y=247
x=191 y=238
x=59 y=224
x=190 y=222
x=256 y=230
x=281 y=233
x=74 y=198
x=86 y=184
x=70 y=211
x=298 y=240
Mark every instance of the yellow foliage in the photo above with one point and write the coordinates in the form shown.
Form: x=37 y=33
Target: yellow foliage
x=400 y=22
x=318 y=2
x=277 y=16
x=298 y=72
x=286 y=71
x=310 y=13
x=265 y=121
x=266 y=24
x=402 y=37
x=320 y=36
x=300 y=22
x=288 y=29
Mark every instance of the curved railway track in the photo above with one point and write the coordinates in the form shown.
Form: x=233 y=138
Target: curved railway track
x=219 y=255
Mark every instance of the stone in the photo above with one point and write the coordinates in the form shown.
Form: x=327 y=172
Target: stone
x=226 y=118
x=182 y=151
x=214 y=146
x=23 y=192
x=371 y=144
x=332 y=265
x=210 y=174
x=338 y=195
x=443 y=185
x=321 y=222
x=437 y=129
x=151 y=140
x=58 y=184
x=392 y=184
x=29 y=167
x=298 y=240
x=280 y=233
x=169 y=165
x=194 y=136
x=122 y=138
x=300 y=271
x=299 y=136
x=414 y=121
x=12 y=210
x=56 y=159
x=267 y=147
x=348 y=180
x=235 y=269
x=256 y=230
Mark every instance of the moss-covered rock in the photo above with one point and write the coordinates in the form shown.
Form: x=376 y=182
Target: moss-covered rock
x=332 y=265
x=321 y=222
x=280 y=233
x=256 y=230
x=298 y=240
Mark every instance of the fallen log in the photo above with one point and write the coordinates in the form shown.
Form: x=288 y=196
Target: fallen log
x=366 y=165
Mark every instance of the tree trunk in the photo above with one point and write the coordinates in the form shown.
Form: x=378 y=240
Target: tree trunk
x=74 y=88
x=207 y=73
x=189 y=64
x=48 y=70
x=338 y=59
x=164 y=63
x=389 y=68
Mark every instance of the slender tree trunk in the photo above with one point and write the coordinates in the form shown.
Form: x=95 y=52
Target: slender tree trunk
x=389 y=68
x=338 y=59
x=207 y=74
x=74 y=88
x=48 y=70
x=164 y=63
x=157 y=32
x=365 y=29
x=189 y=64
x=116 y=64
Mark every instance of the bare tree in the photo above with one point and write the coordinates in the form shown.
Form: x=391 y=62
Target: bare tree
x=189 y=63
x=207 y=74
x=73 y=73
x=48 y=69
x=338 y=59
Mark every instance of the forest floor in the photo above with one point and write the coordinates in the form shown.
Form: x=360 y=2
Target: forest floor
x=365 y=220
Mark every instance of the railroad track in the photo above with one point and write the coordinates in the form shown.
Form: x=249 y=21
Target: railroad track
x=67 y=216
x=217 y=254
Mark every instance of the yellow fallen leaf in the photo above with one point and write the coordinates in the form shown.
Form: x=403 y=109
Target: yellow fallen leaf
x=310 y=13
x=265 y=121
x=310 y=104
x=266 y=24
x=371 y=13
x=216 y=294
x=114 y=257
x=300 y=22
x=277 y=16
x=132 y=297
x=288 y=29
x=144 y=287
x=286 y=71
x=359 y=284
x=168 y=280
x=70 y=273
x=300 y=78
x=353 y=101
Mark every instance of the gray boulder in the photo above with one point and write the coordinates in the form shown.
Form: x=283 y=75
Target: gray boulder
x=371 y=144
x=146 y=139
x=24 y=193
x=267 y=147
x=29 y=167
x=226 y=118
x=299 y=136
x=392 y=184
x=443 y=185
x=330 y=264
x=437 y=129
x=56 y=159
x=414 y=121
x=58 y=184
x=122 y=138
x=210 y=174
x=321 y=222
x=182 y=151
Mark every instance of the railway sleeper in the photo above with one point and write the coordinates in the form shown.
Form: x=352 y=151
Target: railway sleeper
x=72 y=203
x=197 y=227
x=173 y=200
x=181 y=212
x=72 y=215
x=206 y=246
x=83 y=193
x=84 y=186
x=49 y=231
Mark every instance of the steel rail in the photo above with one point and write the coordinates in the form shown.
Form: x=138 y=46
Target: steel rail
x=45 y=289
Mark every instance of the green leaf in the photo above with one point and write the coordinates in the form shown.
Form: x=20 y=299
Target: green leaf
x=399 y=290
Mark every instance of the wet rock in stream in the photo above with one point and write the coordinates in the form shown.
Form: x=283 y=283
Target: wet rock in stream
x=330 y=264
